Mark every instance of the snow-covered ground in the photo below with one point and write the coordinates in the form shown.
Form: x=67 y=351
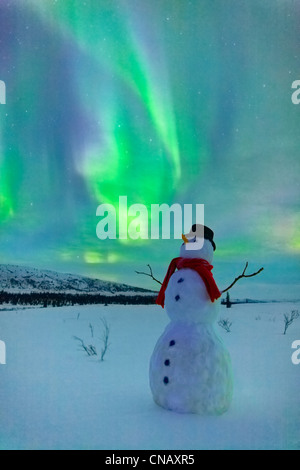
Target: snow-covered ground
x=53 y=396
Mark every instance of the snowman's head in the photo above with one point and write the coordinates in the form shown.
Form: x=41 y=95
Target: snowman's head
x=199 y=243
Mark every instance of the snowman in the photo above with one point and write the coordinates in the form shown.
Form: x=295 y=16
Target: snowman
x=190 y=369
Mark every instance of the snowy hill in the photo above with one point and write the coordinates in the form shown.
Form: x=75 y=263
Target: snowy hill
x=18 y=279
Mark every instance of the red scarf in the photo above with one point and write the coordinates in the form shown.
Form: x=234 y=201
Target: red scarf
x=201 y=266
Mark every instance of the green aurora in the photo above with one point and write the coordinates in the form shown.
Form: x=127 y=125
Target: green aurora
x=162 y=101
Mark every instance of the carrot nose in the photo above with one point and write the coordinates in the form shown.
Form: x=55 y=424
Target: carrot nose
x=184 y=239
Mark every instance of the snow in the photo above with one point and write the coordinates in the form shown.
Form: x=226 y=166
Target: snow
x=53 y=396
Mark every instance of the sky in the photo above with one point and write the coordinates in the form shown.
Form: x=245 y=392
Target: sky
x=162 y=101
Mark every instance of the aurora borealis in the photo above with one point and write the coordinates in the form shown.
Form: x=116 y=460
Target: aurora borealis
x=162 y=101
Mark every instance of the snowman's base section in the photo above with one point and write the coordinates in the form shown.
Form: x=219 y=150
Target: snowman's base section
x=190 y=371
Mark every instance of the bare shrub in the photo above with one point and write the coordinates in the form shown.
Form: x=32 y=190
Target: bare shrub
x=289 y=319
x=91 y=349
x=225 y=324
x=104 y=338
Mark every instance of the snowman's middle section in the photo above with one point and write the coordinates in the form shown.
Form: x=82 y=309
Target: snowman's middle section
x=187 y=299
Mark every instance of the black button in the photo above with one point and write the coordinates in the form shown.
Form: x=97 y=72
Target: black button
x=180 y=280
x=177 y=298
x=166 y=380
x=172 y=343
x=167 y=362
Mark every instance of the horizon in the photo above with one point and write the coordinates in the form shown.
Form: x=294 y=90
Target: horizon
x=244 y=291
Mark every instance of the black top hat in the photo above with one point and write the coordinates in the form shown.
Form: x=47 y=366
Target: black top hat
x=200 y=231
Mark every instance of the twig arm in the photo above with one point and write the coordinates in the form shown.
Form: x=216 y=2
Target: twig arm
x=243 y=275
x=149 y=274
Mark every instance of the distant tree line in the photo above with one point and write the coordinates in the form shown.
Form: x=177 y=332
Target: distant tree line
x=47 y=299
